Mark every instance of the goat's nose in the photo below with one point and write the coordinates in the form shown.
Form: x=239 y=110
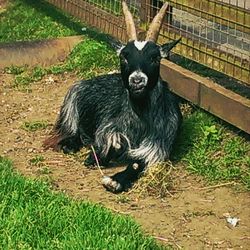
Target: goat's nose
x=137 y=80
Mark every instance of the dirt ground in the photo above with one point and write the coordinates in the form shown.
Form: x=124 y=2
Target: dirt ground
x=192 y=216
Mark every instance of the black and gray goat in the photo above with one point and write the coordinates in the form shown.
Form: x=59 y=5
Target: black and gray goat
x=130 y=117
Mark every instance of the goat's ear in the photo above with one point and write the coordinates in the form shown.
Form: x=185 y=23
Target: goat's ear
x=115 y=44
x=166 y=48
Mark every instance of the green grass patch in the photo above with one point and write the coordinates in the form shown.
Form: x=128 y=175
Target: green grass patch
x=37 y=160
x=209 y=148
x=34 y=125
x=88 y=59
x=32 y=20
x=34 y=217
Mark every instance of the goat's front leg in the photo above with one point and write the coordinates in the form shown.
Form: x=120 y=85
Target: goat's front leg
x=108 y=146
x=124 y=180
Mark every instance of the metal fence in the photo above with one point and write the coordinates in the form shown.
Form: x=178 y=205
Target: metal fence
x=215 y=33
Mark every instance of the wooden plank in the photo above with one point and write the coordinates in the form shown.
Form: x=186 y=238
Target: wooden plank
x=207 y=94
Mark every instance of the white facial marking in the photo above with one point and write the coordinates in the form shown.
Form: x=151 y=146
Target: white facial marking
x=140 y=45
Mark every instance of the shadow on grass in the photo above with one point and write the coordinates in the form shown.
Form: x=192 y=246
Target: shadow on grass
x=71 y=22
x=189 y=132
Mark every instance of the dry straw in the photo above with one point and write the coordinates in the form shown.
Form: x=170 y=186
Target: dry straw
x=156 y=180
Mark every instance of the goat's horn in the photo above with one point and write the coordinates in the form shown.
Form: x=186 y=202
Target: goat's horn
x=155 y=26
x=131 y=31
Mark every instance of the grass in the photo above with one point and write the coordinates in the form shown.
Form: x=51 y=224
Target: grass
x=34 y=217
x=89 y=59
x=37 y=160
x=18 y=22
x=208 y=147
x=34 y=125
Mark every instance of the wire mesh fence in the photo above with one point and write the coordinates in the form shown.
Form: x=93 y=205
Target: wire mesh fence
x=215 y=33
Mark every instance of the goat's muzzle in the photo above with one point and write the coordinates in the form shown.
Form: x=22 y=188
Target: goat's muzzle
x=137 y=83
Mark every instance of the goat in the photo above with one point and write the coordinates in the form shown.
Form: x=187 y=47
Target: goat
x=129 y=116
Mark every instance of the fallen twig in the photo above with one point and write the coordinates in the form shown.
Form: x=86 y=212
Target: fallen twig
x=161 y=238
x=216 y=186
x=167 y=240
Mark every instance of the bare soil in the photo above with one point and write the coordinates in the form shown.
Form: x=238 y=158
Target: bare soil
x=192 y=216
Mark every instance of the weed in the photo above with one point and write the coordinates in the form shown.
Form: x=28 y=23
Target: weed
x=38 y=73
x=123 y=199
x=37 y=160
x=44 y=170
x=34 y=126
x=15 y=70
x=22 y=80
x=211 y=133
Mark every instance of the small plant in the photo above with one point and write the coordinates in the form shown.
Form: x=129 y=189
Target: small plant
x=34 y=126
x=22 y=80
x=123 y=199
x=37 y=160
x=38 y=73
x=44 y=170
x=15 y=70
x=211 y=132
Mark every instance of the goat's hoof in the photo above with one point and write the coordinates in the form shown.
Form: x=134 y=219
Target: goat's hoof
x=111 y=185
